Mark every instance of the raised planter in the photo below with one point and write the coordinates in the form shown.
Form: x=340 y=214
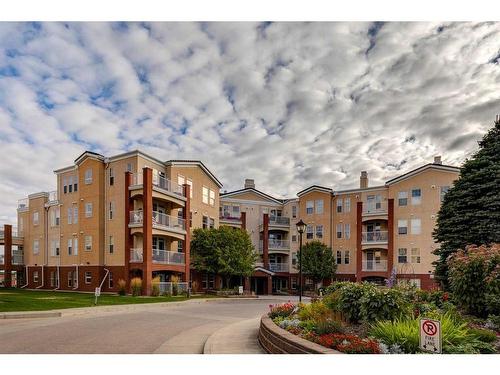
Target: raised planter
x=276 y=340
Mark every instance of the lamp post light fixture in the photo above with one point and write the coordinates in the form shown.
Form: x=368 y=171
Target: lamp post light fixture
x=301 y=227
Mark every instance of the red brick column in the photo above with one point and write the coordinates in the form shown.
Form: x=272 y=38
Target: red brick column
x=359 y=230
x=244 y=220
x=147 y=229
x=265 y=241
x=128 y=237
x=390 y=235
x=187 y=242
x=7 y=255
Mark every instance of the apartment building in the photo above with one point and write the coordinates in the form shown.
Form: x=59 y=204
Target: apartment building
x=111 y=218
x=373 y=230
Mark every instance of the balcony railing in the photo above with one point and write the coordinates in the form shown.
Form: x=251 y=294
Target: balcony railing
x=160 y=182
x=275 y=245
x=23 y=203
x=374 y=207
x=173 y=288
x=279 y=220
x=17 y=257
x=14 y=232
x=373 y=237
x=278 y=267
x=53 y=196
x=374 y=265
x=159 y=220
x=136 y=255
x=168 y=257
x=2 y=259
x=228 y=217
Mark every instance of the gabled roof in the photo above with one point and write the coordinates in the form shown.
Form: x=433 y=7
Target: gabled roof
x=200 y=164
x=251 y=190
x=441 y=167
x=315 y=188
x=89 y=154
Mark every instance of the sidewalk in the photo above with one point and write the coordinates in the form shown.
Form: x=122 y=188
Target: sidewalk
x=236 y=338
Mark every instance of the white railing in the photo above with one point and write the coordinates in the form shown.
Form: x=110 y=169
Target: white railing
x=53 y=196
x=167 y=257
x=163 y=220
x=259 y=264
x=160 y=182
x=279 y=220
x=374 y=265
x=275 y=245
x=136 y=217
x=173 y=288
x=17 y=257
x=228 y=217
x=374 y=207
x=23 y=203
x=136 y=255
x=14 y=232
x=378 y=236
x=278 y=267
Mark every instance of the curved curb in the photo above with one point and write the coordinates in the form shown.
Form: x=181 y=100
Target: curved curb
x=30 y=315
x=276 y=340
x=235 y=338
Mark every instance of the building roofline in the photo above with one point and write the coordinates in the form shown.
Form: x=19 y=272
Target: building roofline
x=447 y=168
x=195 y=162
x=134 y=153
x=314 y=187
x=89 y=154
x=360 y=190
x=253 y=190
x=65 y=169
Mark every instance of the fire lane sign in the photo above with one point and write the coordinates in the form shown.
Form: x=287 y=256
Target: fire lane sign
x=430 y=335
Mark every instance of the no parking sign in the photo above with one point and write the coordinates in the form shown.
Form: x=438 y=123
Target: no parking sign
x=430 y=335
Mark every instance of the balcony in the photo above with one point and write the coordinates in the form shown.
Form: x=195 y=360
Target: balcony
x=374 y=208
x=275 y=245
x=23 y=203
x=376 y=237
x=374 y=265
x=136 y=255
x=17 y=257
x=279 y=220
x=52 y=197
x=226 y=216
x=168 y=257
x=14 y=232
x=159 y=219
x=161 y=183
x=2 y=259
x=278 y=267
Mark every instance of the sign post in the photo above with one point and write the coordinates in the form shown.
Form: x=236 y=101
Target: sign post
x=240 y=290
x=430 y=335
x=97 y=293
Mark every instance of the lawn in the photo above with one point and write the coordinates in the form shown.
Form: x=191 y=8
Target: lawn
x=28 y=300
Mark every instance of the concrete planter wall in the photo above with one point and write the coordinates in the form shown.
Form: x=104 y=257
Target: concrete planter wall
x=276 y=340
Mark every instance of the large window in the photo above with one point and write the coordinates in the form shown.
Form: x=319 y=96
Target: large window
x=111 y=245
x=88 y=209
x=415 y=255
x=75 y=246
x=403 y=226
x=35 y=276
x=347 y=256
x=444 y=190
x=70 y=184
x=347 y=231
x=111 y=210
x=88 y=243
x=205 y=195
x=403 y=198
x=319 y=206
x=88 y=176
x=88 y=277
x=402 y=255
x=347 y=205
x=319 y=231
x=211 y=223
x=309 y=207
x=36 y=247
x=294 y=211
x=416 y=226
x=70 y=215
x=339 y=205
x=416 y=196
x=35 y=218
x=339 y=257
x=309 y=232
x=70 y=246
x=212 y=198
x=75 y=214
x=339 y=230
x=205 y=222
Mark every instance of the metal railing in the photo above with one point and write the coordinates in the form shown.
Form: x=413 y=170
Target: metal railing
x=17 y=257
x=279 y=220
x=53 y=196
x=2 y=259
x=374 y=207
x=23 y=203
x=169 y=221
x=228 y=217
x=136 y=217
x=278 y=267
x=275 y=245
x=377 y=236
x=374 y=265
x=168 y=257
x=160 y=182
x=14 y=232
x=173 y=288
x=136 y=255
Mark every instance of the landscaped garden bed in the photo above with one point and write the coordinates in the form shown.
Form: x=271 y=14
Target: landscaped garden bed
x=362 y=318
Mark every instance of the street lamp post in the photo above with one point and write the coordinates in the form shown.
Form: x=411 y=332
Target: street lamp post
x=301 y=226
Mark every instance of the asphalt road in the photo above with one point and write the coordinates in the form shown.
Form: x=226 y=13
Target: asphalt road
x=147 y=328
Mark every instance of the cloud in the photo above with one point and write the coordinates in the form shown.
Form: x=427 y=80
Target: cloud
x=288 y=104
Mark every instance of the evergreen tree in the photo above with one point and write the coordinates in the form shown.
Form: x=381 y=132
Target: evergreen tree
x=470 y=213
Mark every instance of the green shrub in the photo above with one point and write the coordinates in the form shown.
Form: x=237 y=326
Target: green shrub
x=484 y=335
x=384 y=304
x=122 y=287
x=314 y=311
x=327 y=326
x=347 y=298
x=136 y=286
x=401 y=333
x=493 y=322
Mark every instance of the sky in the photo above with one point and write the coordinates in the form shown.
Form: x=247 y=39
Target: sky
x=287 y=104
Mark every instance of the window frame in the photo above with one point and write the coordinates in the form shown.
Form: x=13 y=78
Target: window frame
x=414 y=201
x=89 y=213
x=88 y=277
x=316 y=231
x=88 y=176
x=309 y=232
x=412 y=227
x=405 y=227
x=403 y=198
x=402 y=254
x=87 y=243
x=319 y=206
x=309 y=207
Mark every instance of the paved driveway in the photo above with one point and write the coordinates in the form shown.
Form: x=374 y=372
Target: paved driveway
x=145 y=329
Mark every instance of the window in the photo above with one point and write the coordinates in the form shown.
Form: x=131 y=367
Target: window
x=111 y=282
x=403 y=226
x=70 y=215
x=347 y=256
x=416 y=196
x=319 y=231
x=35 y=218
x=309 y=207
x=294 y=259
x=75 y=184
x=36 y=247
x=75 y=246
x=415 y=255
x=415 y=283
x=293 y=283
x=212 y=223
x=35 y=277
x=319 y=206
x=65 y=186
x=347 y=205
x=111 y=245
x=339 y=204
x=70 y=184
x=402 y=198
x=88 y=209
x=402 y=255
x=309 y=232
x=129 y=167
x=294 y=238
x=180 y=246
x=444 y=190
x=416 y=226
x=111 y=177
x=58 y=216
x=88 y=176
x=111 y=210
x=205 y=222
x=70 y=279
x=88 y=277
x=75 y=214
x=70 y=246
x=212 y=198
x=88 y=243
x=54 y=248
x=190 y=183
x=205 y=195
x=339 y=230
x=347 y=231
x=294 y=211
x=339 y=257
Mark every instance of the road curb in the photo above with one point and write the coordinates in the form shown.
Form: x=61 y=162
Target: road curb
x=218 y=341
x=30 y=315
